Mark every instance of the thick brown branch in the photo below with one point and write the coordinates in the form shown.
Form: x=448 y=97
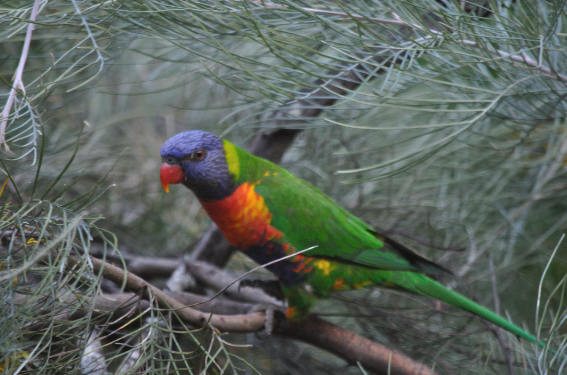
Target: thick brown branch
x=286 y=122
x=353 y=348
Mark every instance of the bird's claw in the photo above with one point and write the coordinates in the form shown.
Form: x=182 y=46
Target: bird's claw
x=275 y=319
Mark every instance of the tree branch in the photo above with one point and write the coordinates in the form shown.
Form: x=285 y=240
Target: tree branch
x=217 y=279
x=117 y=306
x=313 y=330
x=198 y=311
x=272 y=143
x=143 y=266
x=18 y=85
x=230 y=323
x=353 y=348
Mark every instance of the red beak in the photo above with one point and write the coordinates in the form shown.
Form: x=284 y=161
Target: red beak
x=170 y=174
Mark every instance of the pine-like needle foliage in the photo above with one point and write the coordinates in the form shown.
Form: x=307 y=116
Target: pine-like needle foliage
x=440 y=122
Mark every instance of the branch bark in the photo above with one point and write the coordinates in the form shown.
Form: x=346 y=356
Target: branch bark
x=240 y=317
x=143 y=266
x=351 y=347
x=18 y=85
x=217 y=279
x=354 y=348
x=230 y=323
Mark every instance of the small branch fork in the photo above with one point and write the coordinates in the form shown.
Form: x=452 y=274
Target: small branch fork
x=18 y=85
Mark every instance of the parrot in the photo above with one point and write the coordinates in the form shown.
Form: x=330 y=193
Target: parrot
x=269 y=214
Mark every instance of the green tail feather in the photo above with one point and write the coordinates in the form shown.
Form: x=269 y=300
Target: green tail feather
x=423 y=285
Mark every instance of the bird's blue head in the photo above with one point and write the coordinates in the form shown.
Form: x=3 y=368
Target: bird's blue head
x=197 y=160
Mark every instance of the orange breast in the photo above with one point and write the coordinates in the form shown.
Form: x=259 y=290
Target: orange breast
x=243 y=218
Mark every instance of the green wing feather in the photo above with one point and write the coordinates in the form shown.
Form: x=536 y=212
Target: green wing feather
x=307 y=218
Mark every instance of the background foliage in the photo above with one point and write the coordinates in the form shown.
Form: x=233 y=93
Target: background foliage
x=449 y=145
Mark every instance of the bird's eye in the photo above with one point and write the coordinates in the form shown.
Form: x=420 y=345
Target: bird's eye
x=199 y=154
x=169 y=160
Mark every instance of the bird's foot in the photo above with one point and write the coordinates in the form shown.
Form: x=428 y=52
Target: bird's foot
x=275 y=319
x=275 y=312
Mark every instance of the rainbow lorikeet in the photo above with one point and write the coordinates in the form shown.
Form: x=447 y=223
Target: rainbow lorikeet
x=268 y=213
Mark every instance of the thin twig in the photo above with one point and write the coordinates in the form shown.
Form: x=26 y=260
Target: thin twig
x=506 y=348
x=519 y=58
x=219 y=279
x=95 y=47
x=18 y=85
